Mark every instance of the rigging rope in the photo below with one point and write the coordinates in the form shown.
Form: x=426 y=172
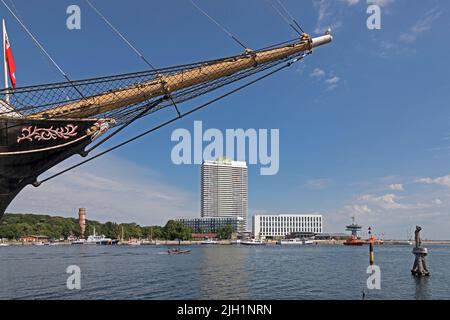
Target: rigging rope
x=290 y=15
x=125 y=125
x=49 y=64
x=283 y=17
x=219 y=25
x=41 y=47
x=286 y=65
x=140 y=55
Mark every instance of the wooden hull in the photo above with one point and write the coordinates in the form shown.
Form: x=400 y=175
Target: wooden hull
x=30 y=147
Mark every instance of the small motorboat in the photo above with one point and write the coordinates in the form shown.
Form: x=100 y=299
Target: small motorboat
x=178 y=251
x=252 y=242
x=210 y=241
x=295 y=242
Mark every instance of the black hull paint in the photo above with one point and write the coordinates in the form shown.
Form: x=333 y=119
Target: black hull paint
x=28 y=148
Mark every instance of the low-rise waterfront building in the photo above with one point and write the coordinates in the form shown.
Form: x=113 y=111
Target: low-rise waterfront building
x=203 y=236
x=282 y=225
x=301 y=235
x=213 y=224
x=34 y=238
x=332 y=236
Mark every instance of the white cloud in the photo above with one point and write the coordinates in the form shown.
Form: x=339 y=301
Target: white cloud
x=333 y=80
x=396 y=187
x=323 y=12
x=351 y=2
x=326 y=17
x=111 y=189
x=387 y=201
x=388 y=47
x=329 y=79
x=442 y=181
x=423 y=25
x=318 y=73
x=358 y=209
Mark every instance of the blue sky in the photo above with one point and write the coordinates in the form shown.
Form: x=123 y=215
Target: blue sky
x=364 y=122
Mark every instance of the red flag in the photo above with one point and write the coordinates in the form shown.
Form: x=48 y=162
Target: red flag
x=10 y=61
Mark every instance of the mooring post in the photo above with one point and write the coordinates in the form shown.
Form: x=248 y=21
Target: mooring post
x=420 y=268
x=371 y=252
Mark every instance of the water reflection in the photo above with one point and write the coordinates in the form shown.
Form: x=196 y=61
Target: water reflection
x=423 y=291
x=218 y=272
x=223 y=273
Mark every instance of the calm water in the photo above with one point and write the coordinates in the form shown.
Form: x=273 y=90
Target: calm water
x=219 y=272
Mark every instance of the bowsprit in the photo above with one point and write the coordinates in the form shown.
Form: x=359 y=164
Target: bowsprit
x=42 y=125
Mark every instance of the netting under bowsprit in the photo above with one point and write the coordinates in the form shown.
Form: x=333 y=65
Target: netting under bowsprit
x=123 y=97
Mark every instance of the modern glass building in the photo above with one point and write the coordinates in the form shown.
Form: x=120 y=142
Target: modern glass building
x=281 y=225
x=224 y=189
x=213 y=224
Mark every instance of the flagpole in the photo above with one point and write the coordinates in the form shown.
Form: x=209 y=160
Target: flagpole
x=5 y=67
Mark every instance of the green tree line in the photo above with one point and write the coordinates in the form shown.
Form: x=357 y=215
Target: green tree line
x=14 y=226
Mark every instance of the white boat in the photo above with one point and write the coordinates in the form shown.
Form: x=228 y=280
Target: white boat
x=210 y=241
x=100 y=240
x=252 y=242
x=95 y=240
x=2 y=244
x=238 y=241
x=295 y=242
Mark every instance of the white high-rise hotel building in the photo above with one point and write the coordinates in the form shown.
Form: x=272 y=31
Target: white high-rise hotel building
x=279 y=226
x=224 y=189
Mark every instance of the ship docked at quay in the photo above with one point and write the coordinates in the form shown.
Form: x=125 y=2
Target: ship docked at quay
x=43 y=125
x=96 y=240
x=355 y=240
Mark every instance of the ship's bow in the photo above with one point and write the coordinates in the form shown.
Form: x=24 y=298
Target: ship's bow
x=29 y=147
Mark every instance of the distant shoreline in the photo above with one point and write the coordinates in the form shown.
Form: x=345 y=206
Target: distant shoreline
x=269 y=243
